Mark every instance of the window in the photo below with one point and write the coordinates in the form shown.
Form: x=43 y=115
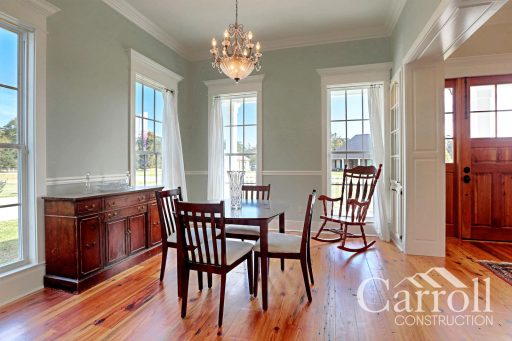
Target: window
x=490 y=110
x=149 y=111
x=350 y=135
x=240 y=121
x=449 y=110
x=13 y=147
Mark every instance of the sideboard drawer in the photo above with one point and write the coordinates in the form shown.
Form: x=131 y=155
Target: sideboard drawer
x=125 y=200
x=88 y=206
x=125 y=212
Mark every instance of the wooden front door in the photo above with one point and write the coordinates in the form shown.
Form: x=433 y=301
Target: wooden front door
x=485 y=168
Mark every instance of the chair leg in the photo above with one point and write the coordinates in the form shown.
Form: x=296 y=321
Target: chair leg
x=184 y=290
x=310 y=268
x=282 y=264
x=256 y=273
x=249 y=274
x=180 y=284
x=209 y=276
x=200 y=280
x=164 y=261
x=304 y=266
x=222 y=294
x=320 y=230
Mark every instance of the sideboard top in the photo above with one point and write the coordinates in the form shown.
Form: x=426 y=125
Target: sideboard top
x=98 y=194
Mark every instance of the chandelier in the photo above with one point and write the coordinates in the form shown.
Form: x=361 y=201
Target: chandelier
x=239 y=55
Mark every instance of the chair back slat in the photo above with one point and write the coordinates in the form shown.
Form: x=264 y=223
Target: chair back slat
x=361 y=182
x=251 y=192
x=166 y=211
x=306 y=232
x=200 y=231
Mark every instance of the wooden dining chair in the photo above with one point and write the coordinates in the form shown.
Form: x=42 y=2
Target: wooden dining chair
x=248 y=232
x=357 y=191
x=166 y=209
x=289 y=246
x=213 y=253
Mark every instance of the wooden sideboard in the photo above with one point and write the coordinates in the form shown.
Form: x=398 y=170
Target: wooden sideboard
x=91 y=237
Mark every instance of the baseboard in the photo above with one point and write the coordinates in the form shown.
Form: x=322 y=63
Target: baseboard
x=21 y=283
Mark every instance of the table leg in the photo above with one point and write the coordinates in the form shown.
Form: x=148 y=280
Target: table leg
x=281 y=230
x=263 y=259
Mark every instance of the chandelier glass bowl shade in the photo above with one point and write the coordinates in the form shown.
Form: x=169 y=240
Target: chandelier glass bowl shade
x=239 y=56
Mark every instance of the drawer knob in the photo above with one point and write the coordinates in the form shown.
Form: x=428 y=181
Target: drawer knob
x=110 y=215
x=90 y=208
x=142 y=198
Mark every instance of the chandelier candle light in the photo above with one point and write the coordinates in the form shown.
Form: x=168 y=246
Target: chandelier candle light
x=239 y=54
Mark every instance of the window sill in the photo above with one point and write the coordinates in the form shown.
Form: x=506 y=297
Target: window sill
x=20 y=269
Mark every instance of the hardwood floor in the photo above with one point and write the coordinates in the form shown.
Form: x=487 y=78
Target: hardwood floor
x=134 y=305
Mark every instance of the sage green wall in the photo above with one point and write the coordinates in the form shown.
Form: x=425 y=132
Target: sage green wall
x=292 y=130
x=88 y=81
x=411 y=22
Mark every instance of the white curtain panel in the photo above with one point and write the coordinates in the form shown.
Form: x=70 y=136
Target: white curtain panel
x=376 y=109
x=172 y=153
x=215 y=152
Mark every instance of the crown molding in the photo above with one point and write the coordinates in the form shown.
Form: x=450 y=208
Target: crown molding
x=483 y=65
x=43 y=7
x=132 y=14
x=395 y=10
x=343 y=70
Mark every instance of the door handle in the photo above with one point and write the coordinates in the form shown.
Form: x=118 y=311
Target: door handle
x=466 y=179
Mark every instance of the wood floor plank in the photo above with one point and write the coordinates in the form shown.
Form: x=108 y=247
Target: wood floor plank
x=134 y=305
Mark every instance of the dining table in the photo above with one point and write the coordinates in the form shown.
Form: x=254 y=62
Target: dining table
x=258 y=213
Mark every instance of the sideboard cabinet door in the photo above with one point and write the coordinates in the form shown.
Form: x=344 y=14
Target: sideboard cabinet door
x=137 y=232
x=116 y=237
x=90 y=244
x=155 y=234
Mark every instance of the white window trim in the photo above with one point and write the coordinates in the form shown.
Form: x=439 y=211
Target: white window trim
x=151 y=73
x=251 y=84
x=33 y=13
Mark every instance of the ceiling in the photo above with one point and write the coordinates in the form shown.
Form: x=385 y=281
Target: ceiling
x=188 y=25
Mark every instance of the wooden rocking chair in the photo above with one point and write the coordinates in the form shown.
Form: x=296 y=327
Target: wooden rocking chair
x=357 y=191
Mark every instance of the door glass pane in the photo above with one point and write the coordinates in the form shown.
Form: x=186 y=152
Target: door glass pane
x=338 y=105
x=159 y=106
x=483 y=124
x=354 y=104
x=448 y=100
x=448 y=151
x=8 y=58
x=504 y=97
x=448 y=125
x=482 y=98
x=8 y=115
x=250 y=110
x=505 y=123
x=149 y=102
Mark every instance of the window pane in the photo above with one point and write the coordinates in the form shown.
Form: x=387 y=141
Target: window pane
x=505 y=124
x=149 y=135
x=448 y=151
x=149 y=102
x=448 y=100
x=159 y=172
x=482 y=98
x=8 y=58
x=9 y=176
x=138 y=99
x=354 y=135
x=151 y=170
x=448 y=125
x=366 y=113
x=338 y=136
x=250 y=137
x=483 y=124
x=140 y=165
x=158 y=137
x=237 y=139
x=139 y=142
x=159 y=106
x=504 y=97
x=9 y=234
x=338 y=105
x=226 y=140
x=250 y=110
x=354 y=104
x=225 y=105
x=237 y=111
x=237 y=162
x=8 y=115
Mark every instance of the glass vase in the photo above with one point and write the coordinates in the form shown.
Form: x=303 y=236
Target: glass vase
x=236 y=180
